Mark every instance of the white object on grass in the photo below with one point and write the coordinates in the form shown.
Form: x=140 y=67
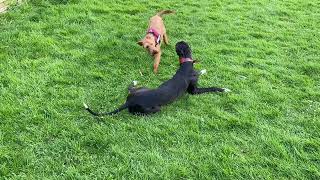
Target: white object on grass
x=226 y=90
x=203 y=71
x=85 y=105
x=134 y=83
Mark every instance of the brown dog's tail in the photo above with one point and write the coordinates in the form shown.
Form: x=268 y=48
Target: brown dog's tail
x=165 y=12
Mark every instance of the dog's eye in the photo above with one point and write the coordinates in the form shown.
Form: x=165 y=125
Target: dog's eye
x=147 y=47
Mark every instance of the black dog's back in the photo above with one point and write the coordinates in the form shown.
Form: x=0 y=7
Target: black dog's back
x=146 y=101
x=166 y=93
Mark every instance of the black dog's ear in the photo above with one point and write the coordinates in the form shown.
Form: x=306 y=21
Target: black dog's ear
x=140 y=43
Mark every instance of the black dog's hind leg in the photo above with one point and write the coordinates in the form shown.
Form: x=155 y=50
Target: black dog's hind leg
x=139 y=110
x=152 y=109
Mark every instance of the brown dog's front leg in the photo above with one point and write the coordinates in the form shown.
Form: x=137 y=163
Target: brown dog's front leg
x=165 y=38
x=156 y=62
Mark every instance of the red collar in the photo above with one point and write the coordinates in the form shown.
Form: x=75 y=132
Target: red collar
x=156 y=35
x=183 y=60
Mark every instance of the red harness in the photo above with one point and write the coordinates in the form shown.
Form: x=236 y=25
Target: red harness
x=157 y=36
x=183 y=60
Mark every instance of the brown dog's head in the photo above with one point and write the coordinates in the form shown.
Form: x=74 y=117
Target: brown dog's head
x=149 y=44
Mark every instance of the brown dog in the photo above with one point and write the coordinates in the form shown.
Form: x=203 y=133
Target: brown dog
x=155 y=34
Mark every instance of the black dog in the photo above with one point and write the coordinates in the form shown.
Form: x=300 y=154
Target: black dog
x=147 y=101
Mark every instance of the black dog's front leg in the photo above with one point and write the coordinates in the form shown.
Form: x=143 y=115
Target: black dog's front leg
x=193 y=89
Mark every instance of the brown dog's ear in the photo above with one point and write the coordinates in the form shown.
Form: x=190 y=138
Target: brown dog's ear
x=140 y=43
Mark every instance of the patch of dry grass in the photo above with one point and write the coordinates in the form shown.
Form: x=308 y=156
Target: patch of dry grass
x=3 y=6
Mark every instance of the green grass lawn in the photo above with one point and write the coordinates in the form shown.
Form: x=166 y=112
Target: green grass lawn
x=57 y=54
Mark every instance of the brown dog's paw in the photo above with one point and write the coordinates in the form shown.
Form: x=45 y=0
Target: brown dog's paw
x=155 y=71
x=155 y=65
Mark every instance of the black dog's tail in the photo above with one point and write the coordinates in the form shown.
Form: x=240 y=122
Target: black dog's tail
x=124 y=106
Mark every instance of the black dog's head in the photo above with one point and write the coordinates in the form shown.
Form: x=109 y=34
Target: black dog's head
x=183 y=50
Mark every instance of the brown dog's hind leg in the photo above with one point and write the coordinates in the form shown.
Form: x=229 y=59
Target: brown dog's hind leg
x=165 y=38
